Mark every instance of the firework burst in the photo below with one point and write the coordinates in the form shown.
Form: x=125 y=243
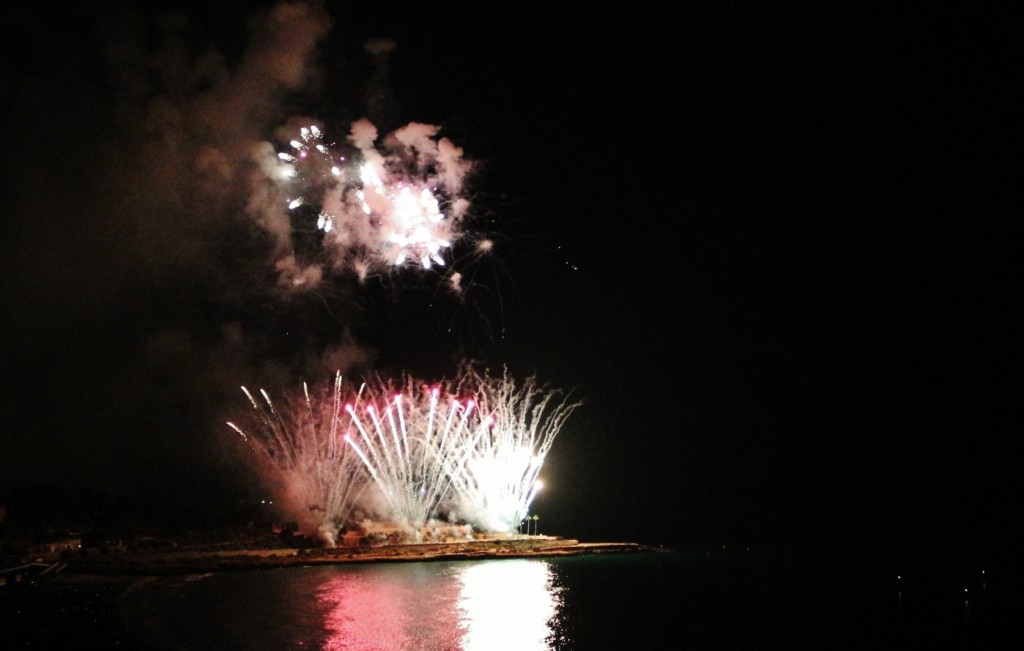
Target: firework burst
x=386 y=205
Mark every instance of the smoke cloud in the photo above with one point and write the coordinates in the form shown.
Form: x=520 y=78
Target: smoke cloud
x=152 y=231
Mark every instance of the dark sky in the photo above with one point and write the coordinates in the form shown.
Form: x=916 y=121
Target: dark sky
x=769 y=246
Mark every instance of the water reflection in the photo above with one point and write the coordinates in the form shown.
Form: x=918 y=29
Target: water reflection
x=489 y=605
x=507 y=605
x=397 y=607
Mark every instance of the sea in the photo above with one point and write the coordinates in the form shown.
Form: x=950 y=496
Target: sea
x=679 y=598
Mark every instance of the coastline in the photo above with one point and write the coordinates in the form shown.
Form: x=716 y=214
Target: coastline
x=85 y=592
x=189 y=562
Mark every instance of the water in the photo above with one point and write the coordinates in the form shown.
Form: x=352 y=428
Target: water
x=692 y=599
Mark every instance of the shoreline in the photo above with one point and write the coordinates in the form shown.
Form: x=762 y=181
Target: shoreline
x=86 y=591
x=165 y=563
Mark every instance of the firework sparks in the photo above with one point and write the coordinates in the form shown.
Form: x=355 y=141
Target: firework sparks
x=396 y=203
x=312 y=160
x=301 y=440
x=500 y=480
x=473 y=448
x=412 y=443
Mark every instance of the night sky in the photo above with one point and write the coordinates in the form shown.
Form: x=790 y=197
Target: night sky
x=770 y=248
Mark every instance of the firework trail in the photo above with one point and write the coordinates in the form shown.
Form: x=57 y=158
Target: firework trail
x=411 y=441
x=472 y=447
x=302 y=441
x=384 y=205
x=433 y=449
x=499 y=480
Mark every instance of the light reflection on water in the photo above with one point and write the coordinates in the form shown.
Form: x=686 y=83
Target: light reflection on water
x=507 y=605
x=581 y=603
x=487 y=605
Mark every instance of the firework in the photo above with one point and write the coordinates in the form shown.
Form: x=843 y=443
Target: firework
x=412 y=441
x=471 y=449
x=312 y=162
x=301 y=441
x=390 y=204
x=499 y=481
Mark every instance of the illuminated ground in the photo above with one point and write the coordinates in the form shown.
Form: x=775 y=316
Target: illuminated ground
x=175 y=562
